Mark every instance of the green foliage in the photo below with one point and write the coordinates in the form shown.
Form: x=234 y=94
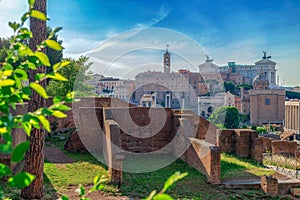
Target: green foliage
x=261 y=129
x=245 y=86
x=230 y=86
x=171 y=180
x=225 y=117
x=76 y=72
x=19 y=59
x=245 y=118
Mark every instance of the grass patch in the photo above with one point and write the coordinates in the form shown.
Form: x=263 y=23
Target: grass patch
x=194 y=186
x=233 y=166
x=63 y=175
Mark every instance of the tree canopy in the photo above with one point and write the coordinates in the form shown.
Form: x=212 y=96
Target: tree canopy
x=225 y=117
x=77 y=72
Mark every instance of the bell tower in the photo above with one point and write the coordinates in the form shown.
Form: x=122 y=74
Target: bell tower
x=167 y=61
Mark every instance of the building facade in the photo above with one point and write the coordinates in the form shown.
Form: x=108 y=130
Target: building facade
x=292 y=117
x=172 y=89
x=249 y=72
x=208 y=104
x=267 y=105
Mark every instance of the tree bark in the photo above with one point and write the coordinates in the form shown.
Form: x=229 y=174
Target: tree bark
x=34 y=158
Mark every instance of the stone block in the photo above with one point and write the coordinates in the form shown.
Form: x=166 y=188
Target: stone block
x=269 y=185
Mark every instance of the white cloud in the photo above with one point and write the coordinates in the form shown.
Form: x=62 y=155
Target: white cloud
x=161 y=15
x=10 y=10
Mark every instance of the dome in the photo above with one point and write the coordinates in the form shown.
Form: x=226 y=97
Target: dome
x=260 y=82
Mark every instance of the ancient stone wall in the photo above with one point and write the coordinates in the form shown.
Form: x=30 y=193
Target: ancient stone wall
x=204 y=157
x=204 y=129
x=72 y=120
x=242 y=142
x=226 y=140
x=113 y=155
x=269 y=185
x=284 y=147
x=145 y=130
x=267 y=147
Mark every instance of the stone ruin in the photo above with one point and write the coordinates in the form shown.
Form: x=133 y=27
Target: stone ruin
x=106 y=135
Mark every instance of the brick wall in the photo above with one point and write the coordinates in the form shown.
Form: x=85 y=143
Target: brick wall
x=267 y=147
x=73 y=119
x=145 y=130
x=285 y=147
x=242 y=142
x=204 y=129
x=204 y=157
x=269 y=185
x=226 y=140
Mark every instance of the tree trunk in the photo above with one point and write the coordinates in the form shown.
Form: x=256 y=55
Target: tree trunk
x=34 y=159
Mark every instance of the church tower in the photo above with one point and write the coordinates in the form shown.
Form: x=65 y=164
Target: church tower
x=167 y=61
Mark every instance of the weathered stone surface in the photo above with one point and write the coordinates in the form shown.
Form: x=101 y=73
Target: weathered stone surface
x=284 y=147
x=74 y=144
x=205 y=157
x=295 y=192
x=257 y=149
x=226 y=140
x=269 y=185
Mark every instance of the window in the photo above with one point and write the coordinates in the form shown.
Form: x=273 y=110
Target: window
x=267 y=101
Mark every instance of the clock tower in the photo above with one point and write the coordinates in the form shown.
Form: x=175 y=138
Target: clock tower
x=167 y=61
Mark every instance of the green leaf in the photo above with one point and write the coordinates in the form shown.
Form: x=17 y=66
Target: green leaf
x=56 y=76
x=70 y=96
x=7 y=66
x=96 y=179
x=43 y=58
x=172 y=179
x=19 y=151
x=39 y=76
x=38 y=15
x=59 y=114
x=39 y=89
x=45 y=122
x=80 y=190
x=162 y=197
x=57 y=29
x=63 y=108
x=25 y=16
x=27 y=127
x=64 y=197
x=31 y=2
x=25 y=50
x=60 y=65
x=4 y=170
x=21 y=180
x=150 y=197
x=21 y=74
x=7 y=72
x=14 y=25
x=3 y=130
x=53 y=45
x=5 y=148
x=57 y=100
x=7 y=82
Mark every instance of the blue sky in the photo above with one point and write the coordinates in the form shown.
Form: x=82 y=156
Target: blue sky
x=228 y=30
